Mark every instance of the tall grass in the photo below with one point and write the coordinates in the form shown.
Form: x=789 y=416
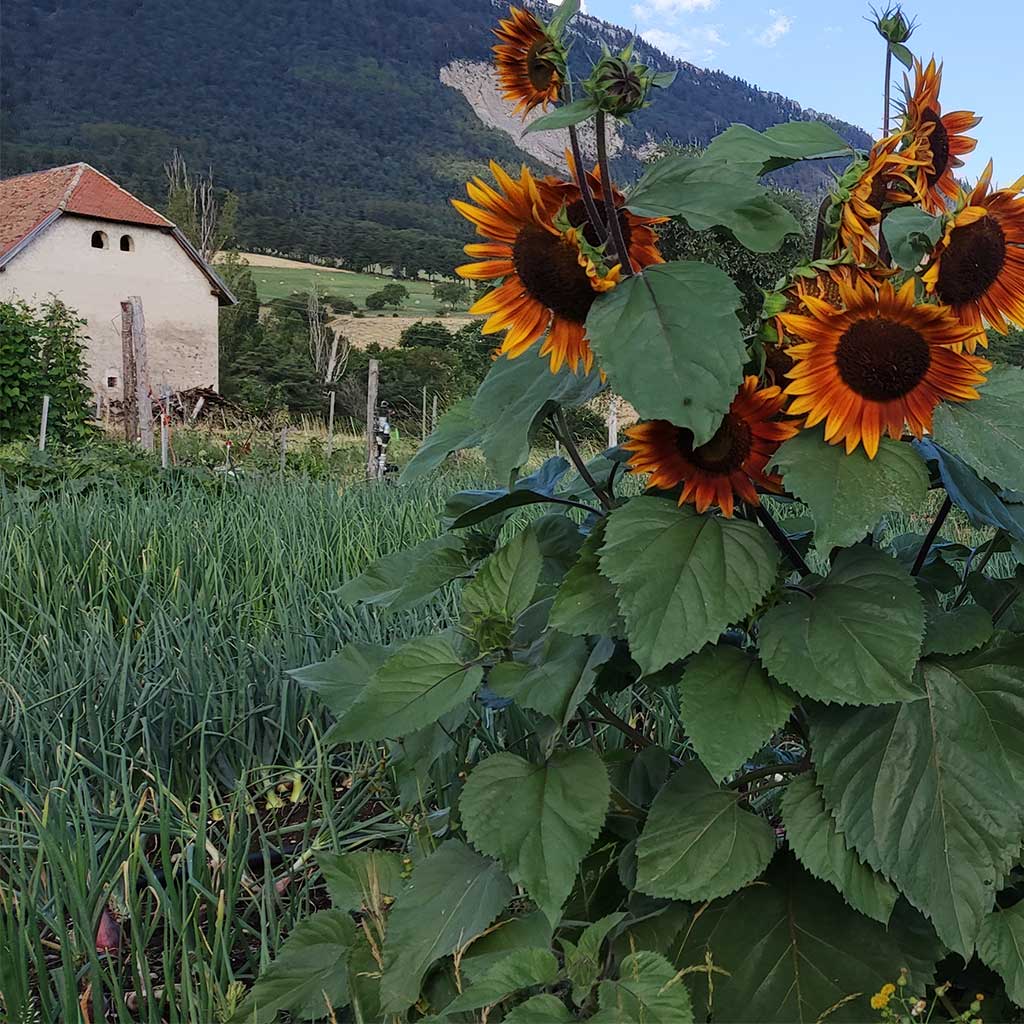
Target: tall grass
x=151 y=743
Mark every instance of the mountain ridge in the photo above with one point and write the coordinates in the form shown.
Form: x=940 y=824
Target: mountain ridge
x=330 y=120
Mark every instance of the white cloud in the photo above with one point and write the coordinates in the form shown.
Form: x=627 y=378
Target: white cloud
x=646 y=10
x=780 y=25
x=698 y=45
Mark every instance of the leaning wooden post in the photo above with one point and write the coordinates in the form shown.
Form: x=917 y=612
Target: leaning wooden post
x=165 y=439
x=613 y=421
x=42 y=423
x=433 y=415
x=142 y=397
x=372 y=380
x=284 y=448
x=330 y=425
x=129 y=409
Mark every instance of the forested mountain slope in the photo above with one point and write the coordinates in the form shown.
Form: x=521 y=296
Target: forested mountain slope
x=329 y=119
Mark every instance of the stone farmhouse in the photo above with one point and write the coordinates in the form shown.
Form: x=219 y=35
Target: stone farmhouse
x=74 y=233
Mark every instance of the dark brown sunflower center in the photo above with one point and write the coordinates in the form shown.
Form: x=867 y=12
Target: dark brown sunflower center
x=939 y=146
x=577 y=214
x=539 y=66
x=549 y=268
x=726 y=451
x=972 y=262
x=881 y=359
x=879 y=191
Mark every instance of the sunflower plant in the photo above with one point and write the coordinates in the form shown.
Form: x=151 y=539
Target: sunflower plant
x=747 y=743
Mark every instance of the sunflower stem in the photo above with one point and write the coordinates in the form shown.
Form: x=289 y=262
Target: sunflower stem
x=612 y=214
x=929 y=540
x=562 y=432
x=786 y=546
x=768 y=771
x=986 y=556
x=888 y=86
x=593 y=214
x=819 y=227
x=1004 y=606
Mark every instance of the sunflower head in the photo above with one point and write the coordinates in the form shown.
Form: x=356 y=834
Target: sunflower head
x=978 y=266
x=730 y=466
x=884 y=180
x=553 y=269
x=939 y=139
x=876 y=362
x=530 y=63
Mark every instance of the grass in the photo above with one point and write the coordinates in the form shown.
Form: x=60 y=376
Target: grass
x=151 y=743
x=281 y=282
x=156 y=760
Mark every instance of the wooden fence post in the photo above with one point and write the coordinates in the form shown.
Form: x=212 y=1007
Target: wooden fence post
x=165 y=439
x=372 y=381
x=284 y=448
x=423 y=423
x=143 y=401
x=613 y=421
x=433 y=416
x=129 y=410
x=330 y=425
x=42 y=423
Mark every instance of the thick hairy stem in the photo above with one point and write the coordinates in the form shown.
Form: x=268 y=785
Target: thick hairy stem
x=612 y=214
x=563 y=433
x=986 y=556
x=820 y=226
x=929 y=540
x=609 y=717
x=593 y=214
x=786 y=546
x=1005 y=605
x=769 y=772
x=888 y=83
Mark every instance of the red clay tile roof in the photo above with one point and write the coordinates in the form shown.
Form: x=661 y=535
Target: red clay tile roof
x=27 y=200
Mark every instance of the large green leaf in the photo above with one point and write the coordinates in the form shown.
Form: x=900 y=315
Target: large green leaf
x=730 y=707
x=309 y=975
x=513 y=400
x=778 y=146
x=539 y=820
x=979 y=500
x=557 y=680
x=1001 y=947
x=647 y=992
x=361 y=880
x=563 y=117
x=699 y=843
x=670 y=339
x=404 y=578
x=928 y=791
x=583 y=960
x=504 y=587
x=813 y=837
x=795 y=953
x=414 y=687
x=455 y=430
x=911 y=235
x=848 y=494
x=958 y=630
x=586 y=604
x=542 y=1009
x=988 y=434
x=853 y=638
x=521 y=968
x=707 y=194
x=682 y=578
x=342 y=679
x=454 y=895
x=529 y=931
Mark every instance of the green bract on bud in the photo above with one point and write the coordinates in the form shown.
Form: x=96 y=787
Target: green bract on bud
x=620 y=85
x=895 y=28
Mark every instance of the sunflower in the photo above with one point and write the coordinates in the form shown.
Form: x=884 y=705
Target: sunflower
x=528 y=62
x=876 y=362
x=978 y=266
x=884 y=181
x=941 y=137
x=550 y=275
x=729 y=466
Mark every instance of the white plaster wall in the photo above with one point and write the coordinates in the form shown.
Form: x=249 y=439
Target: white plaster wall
x=177 y=299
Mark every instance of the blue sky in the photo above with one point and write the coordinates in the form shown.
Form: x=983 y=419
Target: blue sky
x=824 y=55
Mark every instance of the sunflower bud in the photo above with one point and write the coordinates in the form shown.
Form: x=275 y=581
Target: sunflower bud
x=892 y=25
x=619 y=85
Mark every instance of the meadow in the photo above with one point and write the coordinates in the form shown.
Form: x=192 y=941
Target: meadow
x=164 y=785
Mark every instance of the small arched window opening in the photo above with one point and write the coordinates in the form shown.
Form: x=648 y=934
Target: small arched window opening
x=112 y=378
x=127 y=244
x=99 y=240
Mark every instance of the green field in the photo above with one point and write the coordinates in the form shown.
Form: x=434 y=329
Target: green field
x=281 y=282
